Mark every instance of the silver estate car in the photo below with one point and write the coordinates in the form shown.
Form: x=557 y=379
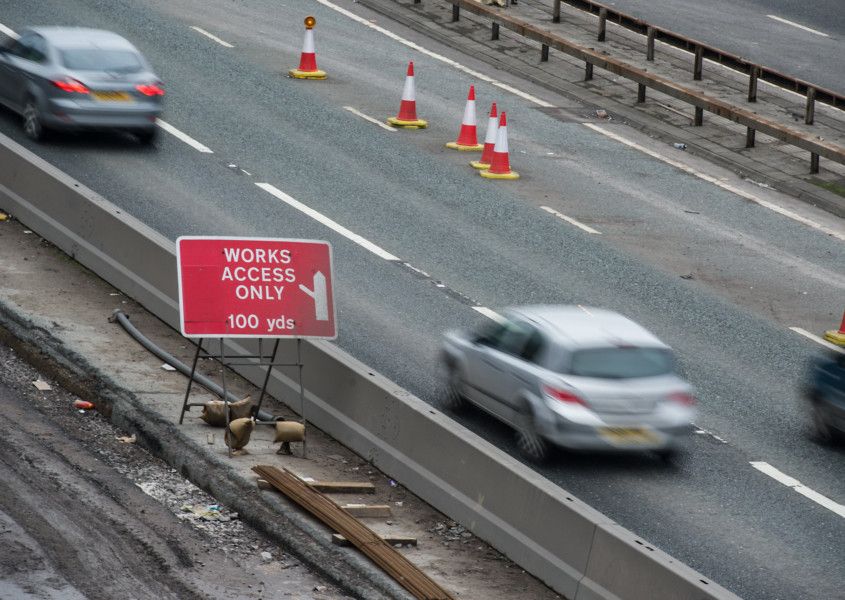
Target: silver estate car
x=72 y=78
x=571 y=376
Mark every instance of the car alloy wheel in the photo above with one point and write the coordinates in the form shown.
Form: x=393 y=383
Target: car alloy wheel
x=530 y=443
x=32 y=126
x=823 y=430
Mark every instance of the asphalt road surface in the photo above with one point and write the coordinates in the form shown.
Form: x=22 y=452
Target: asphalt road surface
x=802 y=39
x=719 y=277
x=74 y=526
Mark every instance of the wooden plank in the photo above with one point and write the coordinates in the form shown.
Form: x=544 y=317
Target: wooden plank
x=362 y=537
x=393 y=540
x=343 y=487
x=367 y=510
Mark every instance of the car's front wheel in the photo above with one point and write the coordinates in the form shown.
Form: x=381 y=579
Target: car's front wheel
x=530 y=443
x=33 y=127
x=147 y=136
x=824 y=432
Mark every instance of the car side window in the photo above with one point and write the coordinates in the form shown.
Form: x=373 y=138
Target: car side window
x=534 y=346
x=38 y=50
x=515 y=337
x=27 y=48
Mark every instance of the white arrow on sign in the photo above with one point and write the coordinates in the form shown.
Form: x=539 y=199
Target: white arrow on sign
x=319 y=295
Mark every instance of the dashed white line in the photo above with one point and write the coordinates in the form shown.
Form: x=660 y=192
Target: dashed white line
x=9 y=32
x=489 y=313
x=184 y=137
x=798 y=25
x=570 y=220
x=320 y=217
x=533 y=99
x=372 y=120
x=211 y=36
x=799 y=487
x=818 y=340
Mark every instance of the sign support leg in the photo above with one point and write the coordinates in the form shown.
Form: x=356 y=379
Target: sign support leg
x=190 y=381
x=301 y=397
x=266 y=377
x=225 y=396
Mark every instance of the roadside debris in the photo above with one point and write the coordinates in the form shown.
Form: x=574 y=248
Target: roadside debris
x=168 y=367
x=680 y=146
x=126 y=439
x=602 y=114
x=42 y=385
x=83 y=405
x=3 y=216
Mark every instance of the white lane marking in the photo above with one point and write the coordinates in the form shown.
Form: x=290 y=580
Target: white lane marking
x=369 y=118
x=799 y=487
x=533 y=99
x=434 y=55
x=578 y=224
x=212 y=36
x=715 y=181
x=318 y=216
x=798 y=25
x=9 y=32
x=817 y=339
x=184 y=137
x=489 y=313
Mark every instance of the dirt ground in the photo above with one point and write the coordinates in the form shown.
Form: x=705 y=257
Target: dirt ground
x=87 y=514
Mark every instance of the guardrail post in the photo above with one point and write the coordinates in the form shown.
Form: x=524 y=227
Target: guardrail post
x=753 y=74
x=699 y=59
x=456 y=12
x=699 y=116
x=649 y=53
x=640 y=93
x=494 y=35
x=588 y=71
x=814 y=163
x=810 y=112
x=556 y=12
x=544 y=53
x=750 y=137
x=602 y=25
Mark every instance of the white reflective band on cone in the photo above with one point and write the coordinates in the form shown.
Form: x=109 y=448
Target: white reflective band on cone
x=501 y=140
x=408 y=91
x=469 y=113
x=308 y=45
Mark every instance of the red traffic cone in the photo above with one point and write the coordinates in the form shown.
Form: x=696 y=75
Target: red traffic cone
x=500 y=167
x=407 y=117
x=489 y=140
x=467 y=137
x=837 y=337
x=308 y=59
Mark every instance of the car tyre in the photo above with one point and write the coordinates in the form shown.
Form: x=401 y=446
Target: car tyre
x=451 y=398
x=669 y=456
x=824 y=432
x=147 y=136
x=33 y=127
x=530 y=443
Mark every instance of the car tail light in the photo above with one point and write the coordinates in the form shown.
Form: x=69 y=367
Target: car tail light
x=71 y=86
x=563 y=395
x=150 y=89
x=682 y=398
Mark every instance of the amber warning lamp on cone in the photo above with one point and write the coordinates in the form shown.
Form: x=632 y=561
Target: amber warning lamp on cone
x=310 y=22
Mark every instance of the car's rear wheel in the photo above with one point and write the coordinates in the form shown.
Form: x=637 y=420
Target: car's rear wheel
x=452 y=397
x=530 y=443
x=32 y=124
x=147 y=136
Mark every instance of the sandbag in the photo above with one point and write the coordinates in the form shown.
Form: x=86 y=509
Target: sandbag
x=238 y=434
x=289 y=431
x=214 y=411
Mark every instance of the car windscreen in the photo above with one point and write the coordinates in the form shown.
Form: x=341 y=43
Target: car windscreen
x=621 y=363
x=99 y=59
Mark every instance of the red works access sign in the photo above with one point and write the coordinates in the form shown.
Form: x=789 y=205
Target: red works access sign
x=255 y=287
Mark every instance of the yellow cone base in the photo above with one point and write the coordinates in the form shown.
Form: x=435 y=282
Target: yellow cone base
x=476 y=164
x=835 y=337
x=462 y=148
x=297 y=74
x=489 y=175
x=418 y=124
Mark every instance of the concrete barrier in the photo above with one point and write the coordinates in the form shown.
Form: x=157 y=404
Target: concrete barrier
x=571 y=547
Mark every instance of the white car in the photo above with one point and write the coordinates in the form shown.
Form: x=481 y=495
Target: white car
x=571 y=376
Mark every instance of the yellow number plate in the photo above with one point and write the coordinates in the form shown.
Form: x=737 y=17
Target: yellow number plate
x=627 y=435
x=113 y=96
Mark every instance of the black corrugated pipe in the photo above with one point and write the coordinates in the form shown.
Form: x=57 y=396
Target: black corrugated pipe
x=122 y=318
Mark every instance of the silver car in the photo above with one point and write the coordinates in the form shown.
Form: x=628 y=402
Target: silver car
x=70 y=78
x=571 y=376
